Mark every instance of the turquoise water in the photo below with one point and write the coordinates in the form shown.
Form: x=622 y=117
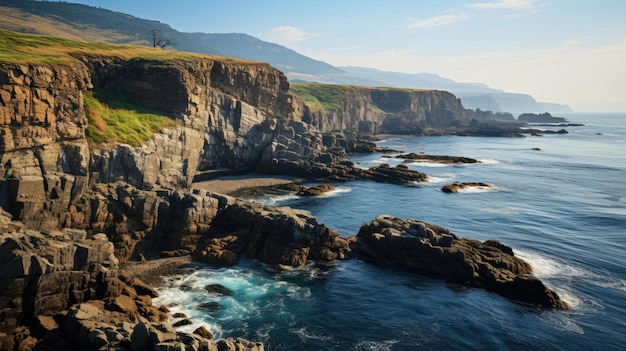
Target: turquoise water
x=562 y=208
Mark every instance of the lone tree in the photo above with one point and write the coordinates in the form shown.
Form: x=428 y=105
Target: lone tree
x=158 y=41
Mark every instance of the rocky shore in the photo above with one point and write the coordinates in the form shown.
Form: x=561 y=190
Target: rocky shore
x=76 y=214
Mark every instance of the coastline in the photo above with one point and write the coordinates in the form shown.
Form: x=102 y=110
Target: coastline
x=241 y=185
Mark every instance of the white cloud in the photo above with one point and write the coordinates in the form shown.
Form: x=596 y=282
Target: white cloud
x=438 y=21
x=288 y=35
x=506 y=5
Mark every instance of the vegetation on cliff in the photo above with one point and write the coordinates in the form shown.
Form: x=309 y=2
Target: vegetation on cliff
x=117 y=117
x=328 y=96
x=320 y=96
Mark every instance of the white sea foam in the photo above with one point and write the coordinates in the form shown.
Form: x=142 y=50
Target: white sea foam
x=441 y=178
x=304 y=334
x=429 y=164
x=546 y=267
x=337 y=191
x=488 y=161
x=478 y=189
x=384 y=345
x=557 y=272
x=277 y=199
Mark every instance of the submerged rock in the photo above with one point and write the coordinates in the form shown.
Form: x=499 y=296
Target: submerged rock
x=219 y=290
x=434 y=158
x=435 y=251
x=316 y=190
x=457 y=186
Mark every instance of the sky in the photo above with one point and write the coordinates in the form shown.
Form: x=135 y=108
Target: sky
x=563 y=51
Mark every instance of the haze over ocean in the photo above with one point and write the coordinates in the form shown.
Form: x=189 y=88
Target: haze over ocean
x=562 y=208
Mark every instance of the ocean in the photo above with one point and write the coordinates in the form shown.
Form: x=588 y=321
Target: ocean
x=558 y=200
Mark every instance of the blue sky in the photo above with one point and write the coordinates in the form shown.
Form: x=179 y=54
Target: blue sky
x=565 y=51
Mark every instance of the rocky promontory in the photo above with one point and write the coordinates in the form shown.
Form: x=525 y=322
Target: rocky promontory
x=433 y=250
x=540 y=118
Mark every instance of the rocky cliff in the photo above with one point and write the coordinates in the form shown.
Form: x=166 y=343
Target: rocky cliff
x=386 y=110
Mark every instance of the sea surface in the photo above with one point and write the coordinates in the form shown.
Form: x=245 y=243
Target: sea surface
x=561 y=207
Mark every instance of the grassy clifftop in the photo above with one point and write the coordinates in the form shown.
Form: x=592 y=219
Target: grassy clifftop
x=328 y=96
x=112 y=116
x=19 y=48
x=321 y=96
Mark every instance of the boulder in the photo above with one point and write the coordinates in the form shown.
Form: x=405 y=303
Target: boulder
x=428 y=249
x=316 y=190
x=274 y=235
x=218 y=289
x=202 y=331
x=458 y=186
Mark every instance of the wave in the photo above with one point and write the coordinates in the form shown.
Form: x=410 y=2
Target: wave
x=488 y=161
x=444 y=177
x=278 y=199
x=337 y=191
x=254 y=293
x=431 y=164
x=502 y=210
x=545 y=267
x=478 y=189
x=304 y=334
x=562 y=275
x=385 y=345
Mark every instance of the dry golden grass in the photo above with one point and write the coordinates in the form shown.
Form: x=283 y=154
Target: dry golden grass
x=26 y=48
x=25 y=22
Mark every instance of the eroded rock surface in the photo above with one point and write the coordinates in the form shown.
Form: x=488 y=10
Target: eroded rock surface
x=429 y=249
x=459 y=186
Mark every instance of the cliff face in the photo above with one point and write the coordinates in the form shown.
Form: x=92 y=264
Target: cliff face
x=225 y=112
x=383 y=110
x=44 y=153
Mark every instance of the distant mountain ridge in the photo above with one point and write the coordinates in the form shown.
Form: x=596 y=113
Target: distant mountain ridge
x=76 y=21
x=472 y=95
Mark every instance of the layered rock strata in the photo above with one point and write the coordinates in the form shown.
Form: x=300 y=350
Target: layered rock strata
x=429 y=249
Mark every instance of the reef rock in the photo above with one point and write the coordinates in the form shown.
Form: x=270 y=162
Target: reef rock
x=316 y=190
x=458 y=186
x=435 y=251
x=421 y=157
x=274 y=235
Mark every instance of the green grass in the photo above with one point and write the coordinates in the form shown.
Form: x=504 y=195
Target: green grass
x=116 y=117
x=321 y=96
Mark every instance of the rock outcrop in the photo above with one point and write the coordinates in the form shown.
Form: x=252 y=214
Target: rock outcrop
x=274 y=235
x=387 y=110
x=421 y=157
x=459 y=186
x=433 y=250
x=540 y=118
x=315 y=190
